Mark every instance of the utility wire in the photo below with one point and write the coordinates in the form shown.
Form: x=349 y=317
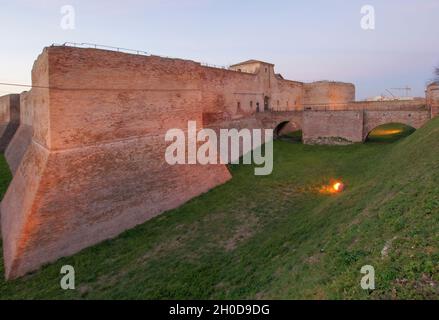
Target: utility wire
x=171 y=90
x=88 y=89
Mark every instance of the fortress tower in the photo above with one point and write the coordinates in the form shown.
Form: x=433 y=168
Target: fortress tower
x=433 y=98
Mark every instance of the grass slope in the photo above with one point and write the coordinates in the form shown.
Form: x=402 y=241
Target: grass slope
x=277 y=236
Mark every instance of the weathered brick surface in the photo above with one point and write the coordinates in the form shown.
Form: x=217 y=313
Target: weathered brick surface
x=332 y=127
x=18 y=146
x=109 y=96
x=333 y=94
x=393 y=105
x=95 y=166
x=23 y=136
x=433 y=99
x=18 y=219
x=231 y=95
x=9 y=118
x=90 y=194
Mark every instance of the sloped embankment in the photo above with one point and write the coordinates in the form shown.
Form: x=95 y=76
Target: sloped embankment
x=277 y=236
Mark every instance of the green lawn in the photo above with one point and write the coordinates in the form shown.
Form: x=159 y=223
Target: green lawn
x=278 y=236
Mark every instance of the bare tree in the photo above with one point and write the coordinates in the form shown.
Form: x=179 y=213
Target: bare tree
x=436 y=73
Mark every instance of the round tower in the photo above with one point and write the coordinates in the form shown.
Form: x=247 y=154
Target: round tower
x=328 y=94
x=432 y=96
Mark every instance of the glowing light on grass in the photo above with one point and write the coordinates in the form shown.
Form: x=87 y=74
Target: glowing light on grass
x=338 y=187
x=333 y=187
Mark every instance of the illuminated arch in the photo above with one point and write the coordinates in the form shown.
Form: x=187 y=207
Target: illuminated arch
x=390 y=131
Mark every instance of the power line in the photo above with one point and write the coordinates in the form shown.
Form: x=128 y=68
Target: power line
x=16 y=85
x=88 y=89
x=174 y=90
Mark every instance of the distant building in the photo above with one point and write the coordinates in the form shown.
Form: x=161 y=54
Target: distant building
x=384 y=98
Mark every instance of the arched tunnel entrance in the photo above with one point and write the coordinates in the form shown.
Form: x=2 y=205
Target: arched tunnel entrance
x=288 y=131
x=389 y=132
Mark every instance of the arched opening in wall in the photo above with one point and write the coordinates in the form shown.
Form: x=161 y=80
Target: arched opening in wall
x=389 y=132
x=288 y=131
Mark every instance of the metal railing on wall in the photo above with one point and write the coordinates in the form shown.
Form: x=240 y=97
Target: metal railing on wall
x=355 y=106
x=131 y=51
x=102 y=47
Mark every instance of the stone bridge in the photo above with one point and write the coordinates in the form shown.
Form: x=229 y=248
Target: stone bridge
x=350 y=124
x=354 y=124
x=416 y=118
